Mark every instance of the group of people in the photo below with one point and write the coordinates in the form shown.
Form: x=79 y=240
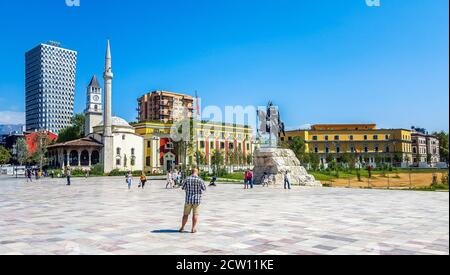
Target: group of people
x=142 y=180
x=265 y=181
x=248 y=179
x=194 y=187
x=38 y=174
x=174 y=179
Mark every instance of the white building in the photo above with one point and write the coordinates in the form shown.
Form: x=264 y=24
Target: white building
x=128 y=147
x=110 y=140
x=425 y=148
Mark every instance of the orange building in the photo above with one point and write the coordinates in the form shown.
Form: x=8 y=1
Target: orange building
x=163 y=106
x=32 y=139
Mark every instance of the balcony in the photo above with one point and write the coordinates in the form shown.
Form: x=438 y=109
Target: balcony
x=164 y=112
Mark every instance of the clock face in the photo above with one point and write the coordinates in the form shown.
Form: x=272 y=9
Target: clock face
x=96 y=98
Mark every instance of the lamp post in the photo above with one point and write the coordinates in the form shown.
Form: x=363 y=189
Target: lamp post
x=15 y=154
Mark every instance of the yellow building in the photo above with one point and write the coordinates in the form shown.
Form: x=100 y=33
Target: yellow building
x=371 y=145
x=162 y=154
x=226 y=139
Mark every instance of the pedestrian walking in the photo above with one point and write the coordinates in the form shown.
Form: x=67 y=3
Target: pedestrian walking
x=265 y=180
x=68 y=176
x=29 y=175
x=248 y=179
x=129 y=179
x=169 y=180
x=287 y=181
x=143 y=180
x=245 y=179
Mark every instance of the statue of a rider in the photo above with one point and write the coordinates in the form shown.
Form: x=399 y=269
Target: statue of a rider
x=271 y=124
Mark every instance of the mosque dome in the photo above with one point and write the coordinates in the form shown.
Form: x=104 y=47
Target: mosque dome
x=117 y=122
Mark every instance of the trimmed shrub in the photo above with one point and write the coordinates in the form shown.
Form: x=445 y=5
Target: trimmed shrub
x=117 y=173
x=78 y=173
x=137 y=173
x=97 y=170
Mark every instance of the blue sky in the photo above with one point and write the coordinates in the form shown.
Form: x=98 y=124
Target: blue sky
x=321 y=61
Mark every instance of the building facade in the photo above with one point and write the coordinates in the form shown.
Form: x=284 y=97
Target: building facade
x=33 y=138
x=77 y=154
x=112 y=141
x=50 y=73
x=9 y=141
x=164 y=107
x=425 y=149
x=364 y=141
x=233 y=142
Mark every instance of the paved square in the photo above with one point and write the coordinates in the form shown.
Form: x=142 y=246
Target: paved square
x=99 y=216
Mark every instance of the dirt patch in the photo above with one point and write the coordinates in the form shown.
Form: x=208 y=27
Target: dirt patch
x=401 y=180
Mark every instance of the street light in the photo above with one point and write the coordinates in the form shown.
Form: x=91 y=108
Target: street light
x=14 y=151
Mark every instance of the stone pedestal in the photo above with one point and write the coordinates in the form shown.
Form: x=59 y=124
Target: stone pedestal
x=275 y=162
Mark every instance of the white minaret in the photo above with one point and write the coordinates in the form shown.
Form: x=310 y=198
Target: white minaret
x=108 y=147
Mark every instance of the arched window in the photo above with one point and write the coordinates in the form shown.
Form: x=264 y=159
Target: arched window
x=73 y=158
x=65 y=158
x=84 y=158
x=95 y=157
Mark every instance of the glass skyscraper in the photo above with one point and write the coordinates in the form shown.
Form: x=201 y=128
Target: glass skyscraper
x=49 y=87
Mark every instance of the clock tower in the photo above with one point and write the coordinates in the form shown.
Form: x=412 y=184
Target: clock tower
x=94 y=108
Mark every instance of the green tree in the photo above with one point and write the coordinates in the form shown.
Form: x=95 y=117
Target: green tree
x=345 y=159
x=398 y=158
x=217 y=161
x=22 y=154
x=329 y=159
x=76 y=131
x=298 y=145
x=249 y=159
x=42 y=142
x=201 y=158
x=314 y=161
x=5 y=155
x=353 y=160
x=443 y=145
x=379 y=161
x=240 y=157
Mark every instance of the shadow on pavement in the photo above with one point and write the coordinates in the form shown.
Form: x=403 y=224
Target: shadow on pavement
x=165 y=231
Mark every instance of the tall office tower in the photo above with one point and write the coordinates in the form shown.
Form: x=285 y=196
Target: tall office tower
x=49 y=87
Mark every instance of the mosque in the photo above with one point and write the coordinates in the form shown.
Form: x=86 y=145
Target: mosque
x=109 y=140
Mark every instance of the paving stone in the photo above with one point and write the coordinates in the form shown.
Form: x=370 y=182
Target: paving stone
x=100 y=216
